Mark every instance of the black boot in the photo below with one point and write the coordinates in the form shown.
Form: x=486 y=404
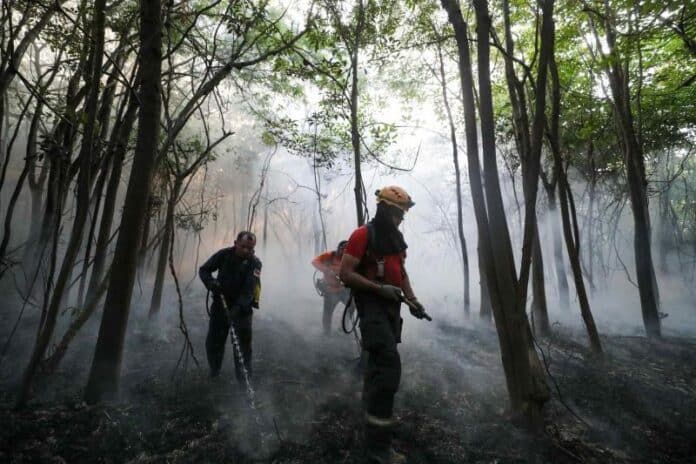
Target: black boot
x=378 y=441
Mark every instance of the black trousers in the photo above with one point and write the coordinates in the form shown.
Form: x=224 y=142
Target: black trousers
x=380 y=327
x=331 y=299
x=218 y=328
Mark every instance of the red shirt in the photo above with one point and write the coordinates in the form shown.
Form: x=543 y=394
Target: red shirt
x=330 y=264
x=393 y=264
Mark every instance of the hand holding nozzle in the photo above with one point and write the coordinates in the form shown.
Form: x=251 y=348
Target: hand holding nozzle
x=390 y=292
x=416 y=308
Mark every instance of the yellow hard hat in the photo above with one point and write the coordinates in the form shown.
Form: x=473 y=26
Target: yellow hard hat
x=395 y=196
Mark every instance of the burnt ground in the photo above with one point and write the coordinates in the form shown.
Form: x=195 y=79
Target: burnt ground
x=637 y=404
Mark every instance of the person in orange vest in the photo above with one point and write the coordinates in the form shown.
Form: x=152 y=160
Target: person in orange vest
x=373 y=266
x=331 y=287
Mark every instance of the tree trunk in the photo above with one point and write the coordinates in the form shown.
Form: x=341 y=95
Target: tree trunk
x=12 y=56
x=529 y=148
x=120 y=146
x=564 y=195
x=106 y=365
x=50 y=364
x=168 y=232
x=354 y=129
x=527 y=395
x=83 y=187
x=590 y=224
x=666 y=242
x=635 y=177
x=28 y=167
x=62 y=141
x=485 y=310
x=458 y=182
x=95 y=207
x=36 y=187
x=528 y=391
x=539 y=308
x=559 y=265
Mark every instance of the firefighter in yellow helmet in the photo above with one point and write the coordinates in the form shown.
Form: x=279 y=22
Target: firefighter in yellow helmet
x=373 y=266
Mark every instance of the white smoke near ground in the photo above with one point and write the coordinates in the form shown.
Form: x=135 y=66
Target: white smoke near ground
x=293 y=236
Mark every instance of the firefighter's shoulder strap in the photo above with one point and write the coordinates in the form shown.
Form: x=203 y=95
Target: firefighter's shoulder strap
x=371 y=254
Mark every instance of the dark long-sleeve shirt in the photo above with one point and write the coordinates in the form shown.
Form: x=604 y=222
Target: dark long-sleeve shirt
x=238 y=277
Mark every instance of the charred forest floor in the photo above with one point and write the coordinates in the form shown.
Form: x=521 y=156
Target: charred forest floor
x=635 y=404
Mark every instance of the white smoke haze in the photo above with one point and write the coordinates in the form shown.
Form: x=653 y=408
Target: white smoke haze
x=293 y=236
x=453 y=385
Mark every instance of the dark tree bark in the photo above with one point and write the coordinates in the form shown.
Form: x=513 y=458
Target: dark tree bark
x=167 y=235
x=50 y=364
x=485 y=310
x=83 y=187
x=11 y=58
x=180 y=174
x=106 y=365
x=122 y=129
x=564 y=193
x=28 y=167
x=559 y=265
x=105 y=161
x=528 y=142
x=458 y=182
x=618 y=76
x=526 y=390
x=539 y=309
x=354 y=129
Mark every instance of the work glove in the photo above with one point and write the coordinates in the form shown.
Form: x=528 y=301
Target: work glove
x=389 y=292
x=417 y=309
x=215 y=286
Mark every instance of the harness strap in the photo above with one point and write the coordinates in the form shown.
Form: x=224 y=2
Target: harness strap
x=371 y=252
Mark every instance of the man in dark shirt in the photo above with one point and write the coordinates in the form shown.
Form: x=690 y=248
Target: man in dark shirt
x=238 y=282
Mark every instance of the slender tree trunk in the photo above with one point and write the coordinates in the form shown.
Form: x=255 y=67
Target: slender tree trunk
x=666 y=232
x=156 y=300
x=529 y=148
x=62 y=141
x=264 y=236
x=144 y=242
x=539 y=308
x=120 y=147
x=527 y=395
x=106 y=365
x=13 y=55
x=8 y=149
x=458 y=182
x=485 y=311
x=559 y=265
x=528 y=389
x=50 y=364
x=85 y=162
x=95 y=207
x=354 y=129
x=617 y=75
x=36 y=188
x=564 y=195
x=28 y=167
